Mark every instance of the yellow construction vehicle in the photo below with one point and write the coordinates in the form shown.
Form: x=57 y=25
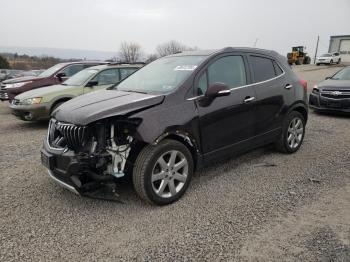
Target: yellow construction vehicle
x=298 y=56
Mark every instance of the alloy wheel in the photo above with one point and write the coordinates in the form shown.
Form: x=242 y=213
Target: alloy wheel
x=295 y=133
x=169 y=174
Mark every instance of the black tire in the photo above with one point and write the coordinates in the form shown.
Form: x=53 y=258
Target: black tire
x=297 y=62
x=331 y=62
x=146 y=162
x=282 y=144
x=307 y=60
x=318 y=64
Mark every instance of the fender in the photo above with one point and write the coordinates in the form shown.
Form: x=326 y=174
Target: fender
x=300 y=104
x=186 y=137
x=188 y=140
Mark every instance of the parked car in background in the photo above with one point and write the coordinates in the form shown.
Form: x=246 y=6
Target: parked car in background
x=38 y=104
x=333 y=94
x=54 y=75
x=9 y=73
x=328 y=59
x=172 y=116
x=3 y=74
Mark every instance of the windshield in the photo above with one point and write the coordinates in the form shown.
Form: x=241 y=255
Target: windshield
x=80 y=78
x=51 y=70
x=343 y=74
x=326 y=55
x=162 y=75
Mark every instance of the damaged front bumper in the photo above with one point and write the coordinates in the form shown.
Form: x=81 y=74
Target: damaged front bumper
x=68 y=171
x=61 y=183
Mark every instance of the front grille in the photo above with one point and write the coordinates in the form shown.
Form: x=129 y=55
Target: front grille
x=336 y=94
x=64 y=135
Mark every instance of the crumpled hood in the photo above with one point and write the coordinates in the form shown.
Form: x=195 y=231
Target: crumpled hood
x=43 y=91
x=21 y=79
x=330 y=84
x=97 y=105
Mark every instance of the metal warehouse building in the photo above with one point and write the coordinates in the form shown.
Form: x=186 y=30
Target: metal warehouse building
x=341 y=44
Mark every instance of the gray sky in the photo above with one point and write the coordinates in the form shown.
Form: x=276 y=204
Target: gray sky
x=103 y=24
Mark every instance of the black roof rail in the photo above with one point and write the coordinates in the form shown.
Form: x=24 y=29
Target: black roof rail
x=126 y=63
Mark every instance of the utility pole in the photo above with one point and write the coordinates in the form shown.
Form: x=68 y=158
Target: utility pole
x=318 y=39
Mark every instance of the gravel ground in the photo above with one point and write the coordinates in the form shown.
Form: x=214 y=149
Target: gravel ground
x=260 y=206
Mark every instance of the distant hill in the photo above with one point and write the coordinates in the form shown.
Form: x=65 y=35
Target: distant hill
x=59 y=52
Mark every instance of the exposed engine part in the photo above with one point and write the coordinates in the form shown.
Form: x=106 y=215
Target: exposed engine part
x=119 y=149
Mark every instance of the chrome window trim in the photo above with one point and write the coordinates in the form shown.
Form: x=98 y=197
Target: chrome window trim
x=253 y=84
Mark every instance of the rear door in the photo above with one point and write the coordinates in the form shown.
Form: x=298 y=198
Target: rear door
x=273 y=92
x=228 y=120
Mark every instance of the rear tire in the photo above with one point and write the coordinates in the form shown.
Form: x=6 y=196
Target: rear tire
x=293 y=132
x=162 y=173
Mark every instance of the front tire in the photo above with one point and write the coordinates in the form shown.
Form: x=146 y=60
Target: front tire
x=293 y=132
x=162 y=173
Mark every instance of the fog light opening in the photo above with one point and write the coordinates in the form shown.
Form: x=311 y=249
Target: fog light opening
x=28 y=116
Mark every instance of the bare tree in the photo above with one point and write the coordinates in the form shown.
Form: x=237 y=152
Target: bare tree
x=150 y=58
x=172 y=47
x=130 y=52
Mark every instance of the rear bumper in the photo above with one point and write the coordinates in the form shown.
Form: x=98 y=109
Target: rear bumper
x=31 y=112
x=320 y=103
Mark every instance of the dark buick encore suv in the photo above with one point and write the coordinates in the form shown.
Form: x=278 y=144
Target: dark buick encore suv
x=171 y=117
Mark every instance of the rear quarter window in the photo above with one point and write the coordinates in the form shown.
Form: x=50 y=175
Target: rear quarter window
x=263 y=68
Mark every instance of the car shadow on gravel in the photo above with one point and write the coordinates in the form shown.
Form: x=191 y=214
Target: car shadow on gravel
x=127 y=194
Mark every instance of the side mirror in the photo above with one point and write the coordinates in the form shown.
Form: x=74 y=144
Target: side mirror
x=60 y=76
x=92 y=84
x=217 y=89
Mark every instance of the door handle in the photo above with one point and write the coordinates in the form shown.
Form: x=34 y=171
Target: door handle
x=288 y=86
x=249 y=99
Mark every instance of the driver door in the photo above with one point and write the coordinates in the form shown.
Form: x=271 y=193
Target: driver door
x=227 y=123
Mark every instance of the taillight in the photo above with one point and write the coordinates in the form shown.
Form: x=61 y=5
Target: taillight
x=303 y=83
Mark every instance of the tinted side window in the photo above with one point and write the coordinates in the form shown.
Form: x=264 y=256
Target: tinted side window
x=263 y=68
x=124 y=72
x=107 y=77
x=229 y=70
x=278 y=69
x=72 y=69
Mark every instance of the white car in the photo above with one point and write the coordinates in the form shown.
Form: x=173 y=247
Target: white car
x=328 y=59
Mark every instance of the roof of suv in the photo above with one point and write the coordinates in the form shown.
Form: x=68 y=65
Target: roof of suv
x=226 y=49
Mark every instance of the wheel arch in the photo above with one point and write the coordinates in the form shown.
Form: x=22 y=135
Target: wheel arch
x=60 y=100
x=187 y=140
x=301 y=108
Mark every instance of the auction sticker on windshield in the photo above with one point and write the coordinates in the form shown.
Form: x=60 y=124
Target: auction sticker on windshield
x=185 y=68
